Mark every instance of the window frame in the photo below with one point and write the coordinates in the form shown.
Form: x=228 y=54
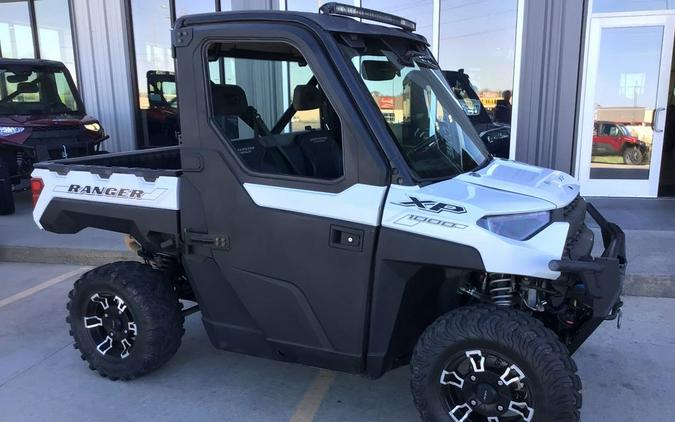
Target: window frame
x=349 y=174
x=34 y=30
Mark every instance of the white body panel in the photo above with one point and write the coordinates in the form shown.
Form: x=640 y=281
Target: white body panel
x=501 y=188
x=499 y=254
x=551 y=185
x=160 y=193
x=359 y=203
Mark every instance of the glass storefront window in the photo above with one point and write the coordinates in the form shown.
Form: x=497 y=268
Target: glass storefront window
x=626 y=90
x=54 y=35
x=605 y=6
x=190 y=7
x=421 y=12
x=307 y=5
x=480 y=38
x=16 y=38
x=154 y=69
x=152 y=41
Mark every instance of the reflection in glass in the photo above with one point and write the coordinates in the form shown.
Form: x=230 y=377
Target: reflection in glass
x=626 y=88
x=56 y=42
x=421 y=12
x=43 y=91
x=604 y=6
x=190 y=7
x=306 y=5
x=152 y=42
x=16 y=38
x=480 y=37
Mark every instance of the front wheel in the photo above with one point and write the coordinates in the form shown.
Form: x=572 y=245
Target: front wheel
x=490 y=364
x=633 y=155
x=125 y=318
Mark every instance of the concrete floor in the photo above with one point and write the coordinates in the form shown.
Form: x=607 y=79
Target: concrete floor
x=628 y=375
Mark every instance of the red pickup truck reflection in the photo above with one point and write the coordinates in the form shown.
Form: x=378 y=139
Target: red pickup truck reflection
x=614 y=139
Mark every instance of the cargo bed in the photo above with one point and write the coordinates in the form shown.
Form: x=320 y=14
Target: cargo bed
x=130 y=192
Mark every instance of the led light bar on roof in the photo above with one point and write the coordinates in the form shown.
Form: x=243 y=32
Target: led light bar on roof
x=369 y=14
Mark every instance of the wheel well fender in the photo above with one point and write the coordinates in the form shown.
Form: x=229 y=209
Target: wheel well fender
x=415 y=281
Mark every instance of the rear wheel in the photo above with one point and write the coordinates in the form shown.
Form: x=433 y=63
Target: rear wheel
x=484 y=363
x=125 y=318
x=6 y=196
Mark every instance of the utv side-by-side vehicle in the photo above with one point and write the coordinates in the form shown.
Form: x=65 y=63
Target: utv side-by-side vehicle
x=311 y=226
x=41 y=118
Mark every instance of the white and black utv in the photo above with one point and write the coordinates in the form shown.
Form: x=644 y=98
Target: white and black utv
x=332 y=205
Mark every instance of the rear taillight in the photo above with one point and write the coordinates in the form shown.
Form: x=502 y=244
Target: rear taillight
x=36 y=186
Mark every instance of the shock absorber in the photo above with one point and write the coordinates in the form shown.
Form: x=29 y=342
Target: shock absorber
x=500 y=289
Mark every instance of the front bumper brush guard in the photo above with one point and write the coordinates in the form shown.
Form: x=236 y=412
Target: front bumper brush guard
x=602 y=276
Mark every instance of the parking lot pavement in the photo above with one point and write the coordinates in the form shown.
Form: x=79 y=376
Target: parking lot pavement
x=627 y=374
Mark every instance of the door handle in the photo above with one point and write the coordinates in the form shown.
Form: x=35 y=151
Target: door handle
x=346 y=238
x=215 y=241
x=655 y=119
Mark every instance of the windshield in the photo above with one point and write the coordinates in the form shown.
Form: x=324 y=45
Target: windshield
x=624 y=130
x=35 y=91
x=427 y=122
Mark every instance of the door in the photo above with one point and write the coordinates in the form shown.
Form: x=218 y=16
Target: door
x=624 y=104
x=279 y=221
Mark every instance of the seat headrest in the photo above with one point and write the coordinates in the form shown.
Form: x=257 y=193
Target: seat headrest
x=228 y=100
x=306 y=97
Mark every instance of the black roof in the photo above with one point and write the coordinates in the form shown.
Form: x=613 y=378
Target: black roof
x=30 y=63
x=329 y=23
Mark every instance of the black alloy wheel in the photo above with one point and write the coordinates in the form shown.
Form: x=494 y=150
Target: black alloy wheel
x=125 y=318
x=111 y=325
x=483 y=363
x=485 y=386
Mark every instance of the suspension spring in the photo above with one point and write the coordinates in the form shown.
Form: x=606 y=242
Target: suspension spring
x=500 y=289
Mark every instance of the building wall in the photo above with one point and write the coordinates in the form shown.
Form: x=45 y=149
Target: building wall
x=551 y=61
x=104 y=68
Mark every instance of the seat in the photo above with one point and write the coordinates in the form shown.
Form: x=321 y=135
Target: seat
x=268 y=153
x=320 y=147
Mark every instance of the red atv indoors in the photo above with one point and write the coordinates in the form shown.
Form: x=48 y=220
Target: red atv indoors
x=41 y=118
x=610 y=138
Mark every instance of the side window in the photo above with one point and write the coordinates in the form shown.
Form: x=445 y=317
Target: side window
x=268 y=105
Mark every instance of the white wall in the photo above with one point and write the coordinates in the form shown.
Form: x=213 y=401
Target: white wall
x=104 y=63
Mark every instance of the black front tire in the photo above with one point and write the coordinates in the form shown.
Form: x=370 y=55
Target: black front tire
x=6 y=196
x=150 y=301
x=633 y=155
x=508 y=333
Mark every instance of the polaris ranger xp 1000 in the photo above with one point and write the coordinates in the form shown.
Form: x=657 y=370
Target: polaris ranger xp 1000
x=331 y=204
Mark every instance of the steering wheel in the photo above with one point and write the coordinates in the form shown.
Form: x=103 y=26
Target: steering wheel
x=425 y=143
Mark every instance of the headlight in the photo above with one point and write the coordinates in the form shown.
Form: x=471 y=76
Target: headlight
x=93 y=127
x=10 y=130
x=516 y=226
